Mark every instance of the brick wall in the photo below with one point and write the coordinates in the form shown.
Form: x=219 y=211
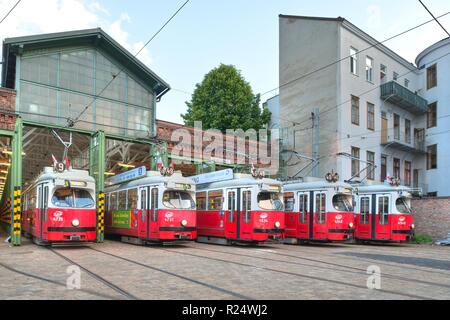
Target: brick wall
x=432 y=217
x=7 y=108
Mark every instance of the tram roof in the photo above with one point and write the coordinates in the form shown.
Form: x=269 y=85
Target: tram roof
x=71 y=175
x=153 y=177
x=379 y=188
x=239 y=180
x=315 y=185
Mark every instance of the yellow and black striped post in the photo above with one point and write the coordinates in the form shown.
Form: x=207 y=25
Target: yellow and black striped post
x=16 y=212
x=101 y=218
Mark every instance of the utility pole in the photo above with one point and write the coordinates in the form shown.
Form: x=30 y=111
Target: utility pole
x=316 y=140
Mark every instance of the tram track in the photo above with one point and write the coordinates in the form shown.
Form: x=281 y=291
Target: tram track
x=181 y=277
x=330 y=266
x=303 y=276
x=125 y=294
x=48 y=280
x=309 y=250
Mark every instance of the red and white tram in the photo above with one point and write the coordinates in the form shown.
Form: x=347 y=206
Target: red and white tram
x=242 y=209
x=59 y=207
x=318 y=211
x=383 y=213
x=152 y=208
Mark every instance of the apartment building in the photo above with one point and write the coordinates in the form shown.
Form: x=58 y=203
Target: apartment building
x=366 y=116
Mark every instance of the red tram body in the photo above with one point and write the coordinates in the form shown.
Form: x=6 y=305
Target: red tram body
x=383 y=213
x=153 y=208
x=59 y=207
x=240 y=210
x=318 y=211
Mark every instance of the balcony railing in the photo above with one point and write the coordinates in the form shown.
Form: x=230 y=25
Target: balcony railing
x=403 y=97
x=402 y=142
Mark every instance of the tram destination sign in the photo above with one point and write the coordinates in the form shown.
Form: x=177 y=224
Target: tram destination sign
x=134 y=174
x=222 y=175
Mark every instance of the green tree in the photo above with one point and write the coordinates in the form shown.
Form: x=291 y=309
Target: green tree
x=224 y=100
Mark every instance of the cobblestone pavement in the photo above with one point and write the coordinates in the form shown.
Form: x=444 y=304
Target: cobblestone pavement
x=115 y=270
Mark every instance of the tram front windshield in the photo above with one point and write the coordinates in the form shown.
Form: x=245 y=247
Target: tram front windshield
x=72 y=198
x=403 y=206
x=270 y=201
x=343 y=203
x=178 y=200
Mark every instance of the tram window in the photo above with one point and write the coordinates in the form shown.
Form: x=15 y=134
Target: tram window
x=247 y=205
x=122 y=201
x=201 y=201
x=365 y=210
x=321 y=208
x=403 y=206
x=270 y=201
x=178 y=200
x=231 y=206
x=132 y=199
x=143 y=199
x=215 y=199
x=289 y=201
x=155 y=204
x=343 y=203
x=383 y=210
x=71 y=198
x=113 y=201
x=303 y=206
x=83 y=199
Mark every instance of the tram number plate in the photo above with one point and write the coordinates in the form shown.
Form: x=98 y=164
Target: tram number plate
x=75 y=238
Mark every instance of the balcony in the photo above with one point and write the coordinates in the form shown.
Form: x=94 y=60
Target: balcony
x=401 y=142
x=404 y=98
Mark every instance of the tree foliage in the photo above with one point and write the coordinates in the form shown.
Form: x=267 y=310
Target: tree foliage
x=224 y=100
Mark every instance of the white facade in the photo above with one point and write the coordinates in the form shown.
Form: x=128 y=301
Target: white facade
x=438 y=54
x=306 y=45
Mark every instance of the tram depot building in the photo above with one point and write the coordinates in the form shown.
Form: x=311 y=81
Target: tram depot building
x=84 y=90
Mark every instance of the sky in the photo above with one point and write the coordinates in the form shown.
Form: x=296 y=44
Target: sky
x=207 y=33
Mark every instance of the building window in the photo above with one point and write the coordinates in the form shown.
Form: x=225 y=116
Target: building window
x=370 y=165
x=369 y=69
x=355 y=110
x=370 y=116
x=395 y=76
x=356 y=154
x=396 y=127
x=406 y=83
x=396 y=168
x=407 y=131
x=432 y=157
x=383 y=73
x=432 y=115
x=432 y=77
x=354 y=61
x=383 y=168
x=408 y=166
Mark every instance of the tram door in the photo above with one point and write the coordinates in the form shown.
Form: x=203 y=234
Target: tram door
x=366 y=216
x=232 y=214
x=245 y=223
x=303 y=215
x=143 y=225
x=319 y=228
x=153 y=224
x=43 y=211
x=382 y=220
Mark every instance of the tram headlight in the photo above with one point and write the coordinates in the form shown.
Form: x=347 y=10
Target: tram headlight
x=413 y=226
x=76 y=222
x=351 y=225
x=277 y=224
x=184 y=223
